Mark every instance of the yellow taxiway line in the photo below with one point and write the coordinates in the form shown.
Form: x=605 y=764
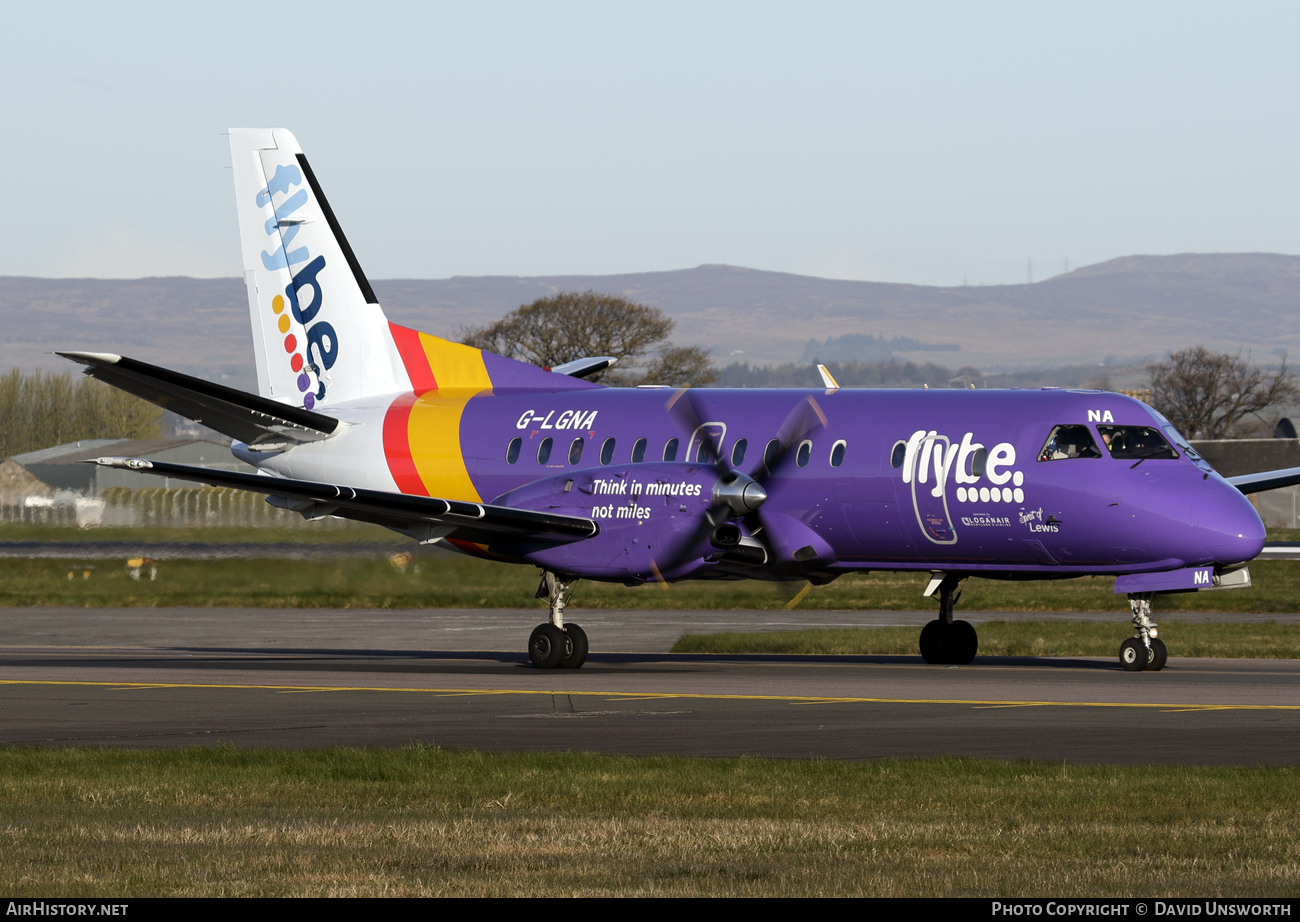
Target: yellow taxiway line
x=642 y=696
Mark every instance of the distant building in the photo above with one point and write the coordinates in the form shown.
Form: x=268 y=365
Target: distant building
x=60 y=467
x=18 y=485
x=1233 y=457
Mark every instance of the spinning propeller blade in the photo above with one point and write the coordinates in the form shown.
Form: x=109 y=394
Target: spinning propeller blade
x=737 y=495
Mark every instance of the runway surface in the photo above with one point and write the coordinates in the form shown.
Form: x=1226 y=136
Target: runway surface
x=310 y=677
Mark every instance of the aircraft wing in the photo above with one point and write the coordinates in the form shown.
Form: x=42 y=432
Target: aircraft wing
x=422 y=517
x=262 y=423
x=1266 y=480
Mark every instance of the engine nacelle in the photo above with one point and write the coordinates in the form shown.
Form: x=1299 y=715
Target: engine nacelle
x=652 y=520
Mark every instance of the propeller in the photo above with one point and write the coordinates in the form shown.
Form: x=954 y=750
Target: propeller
x=737 y=495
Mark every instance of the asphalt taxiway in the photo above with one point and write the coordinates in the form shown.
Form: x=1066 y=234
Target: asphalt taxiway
x=311 y=677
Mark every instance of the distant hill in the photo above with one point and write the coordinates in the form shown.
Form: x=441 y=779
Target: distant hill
x=1124 y=309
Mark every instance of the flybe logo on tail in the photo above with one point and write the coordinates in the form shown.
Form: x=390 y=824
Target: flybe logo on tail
x=303 y=295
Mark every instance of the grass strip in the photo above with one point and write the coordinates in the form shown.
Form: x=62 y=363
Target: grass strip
x=423 y=821
x=1268 y=640
x=447 y=581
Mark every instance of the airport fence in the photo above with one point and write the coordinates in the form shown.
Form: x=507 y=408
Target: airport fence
x=182 y=507
x=1278 y=508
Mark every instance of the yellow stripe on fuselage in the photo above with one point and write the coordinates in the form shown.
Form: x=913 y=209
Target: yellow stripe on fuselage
x=433 y=428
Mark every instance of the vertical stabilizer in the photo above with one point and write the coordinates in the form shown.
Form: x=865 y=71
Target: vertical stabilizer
x=319 y=334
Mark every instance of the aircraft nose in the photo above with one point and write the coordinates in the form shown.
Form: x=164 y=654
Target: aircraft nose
x=1229 y=526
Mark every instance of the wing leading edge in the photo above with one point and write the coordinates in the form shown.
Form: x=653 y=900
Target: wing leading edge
x=1266 y=480
x=425 y=518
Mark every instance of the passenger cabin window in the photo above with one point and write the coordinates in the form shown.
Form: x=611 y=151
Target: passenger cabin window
x=738 y=452
x=512 y=450
x=1134 y=443
x=638 y=451
x=837 y=453
x=575 y=450
x=607 y=451
x=805 y=453
x=770 y=452
x=544 y=451
x=897 y=456
x=670 y=450
x=703 y=455
x=1069 y=442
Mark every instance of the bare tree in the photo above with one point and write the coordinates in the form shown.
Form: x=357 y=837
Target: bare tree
x=677 y=365
x=1210 y=395
x=41 y=410
x=569 y=326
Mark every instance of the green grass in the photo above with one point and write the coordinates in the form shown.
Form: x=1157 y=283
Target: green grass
x=1269 y=640
x=369 y=581
x=424 y=821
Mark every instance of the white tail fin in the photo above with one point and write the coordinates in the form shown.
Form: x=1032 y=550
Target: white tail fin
x=319 y=334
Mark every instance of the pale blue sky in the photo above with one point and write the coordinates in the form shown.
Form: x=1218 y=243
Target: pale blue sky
x=910 y=142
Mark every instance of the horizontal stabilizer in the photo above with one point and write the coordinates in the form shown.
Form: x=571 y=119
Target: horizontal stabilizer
x=259 y=421
x=585 y=367
x=1266 y=480
x=423 y=517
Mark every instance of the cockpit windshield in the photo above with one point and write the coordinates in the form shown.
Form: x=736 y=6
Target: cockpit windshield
x=1135 y=443
x=1180 y=441
x=1069 y=442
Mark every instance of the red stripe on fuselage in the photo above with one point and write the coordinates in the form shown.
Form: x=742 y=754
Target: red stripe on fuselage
x=397 y=446
x=397 y=436
x=414 y=358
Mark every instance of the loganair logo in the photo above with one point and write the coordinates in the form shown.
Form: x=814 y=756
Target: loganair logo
x=931 y=462
x=320 y=350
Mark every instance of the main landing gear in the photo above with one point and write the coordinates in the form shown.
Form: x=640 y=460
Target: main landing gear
x=1146 y=650
x=554 y=644
x=944 y=640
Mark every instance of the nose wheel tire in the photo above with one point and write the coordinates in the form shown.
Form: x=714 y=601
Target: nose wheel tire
x=1133 y=654
x=548 y=646
x=1159 y=655
x=577 y=654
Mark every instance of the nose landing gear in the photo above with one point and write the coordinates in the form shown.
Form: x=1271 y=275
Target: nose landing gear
x=1146 y=650
x=944 y=640
x=554 y=644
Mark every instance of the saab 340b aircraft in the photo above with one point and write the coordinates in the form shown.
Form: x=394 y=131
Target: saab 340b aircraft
x=361 y=418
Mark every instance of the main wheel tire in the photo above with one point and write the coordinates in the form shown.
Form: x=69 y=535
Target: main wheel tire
x=547 y=646
x=1159 y=655
x=1133 y=655
x=577 y=647
x=933 y=639
x=961 y=644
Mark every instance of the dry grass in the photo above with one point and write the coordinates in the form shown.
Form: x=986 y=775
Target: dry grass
x=422 y=821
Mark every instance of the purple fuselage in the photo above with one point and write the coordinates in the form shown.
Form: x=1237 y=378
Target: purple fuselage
x=895 y=479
